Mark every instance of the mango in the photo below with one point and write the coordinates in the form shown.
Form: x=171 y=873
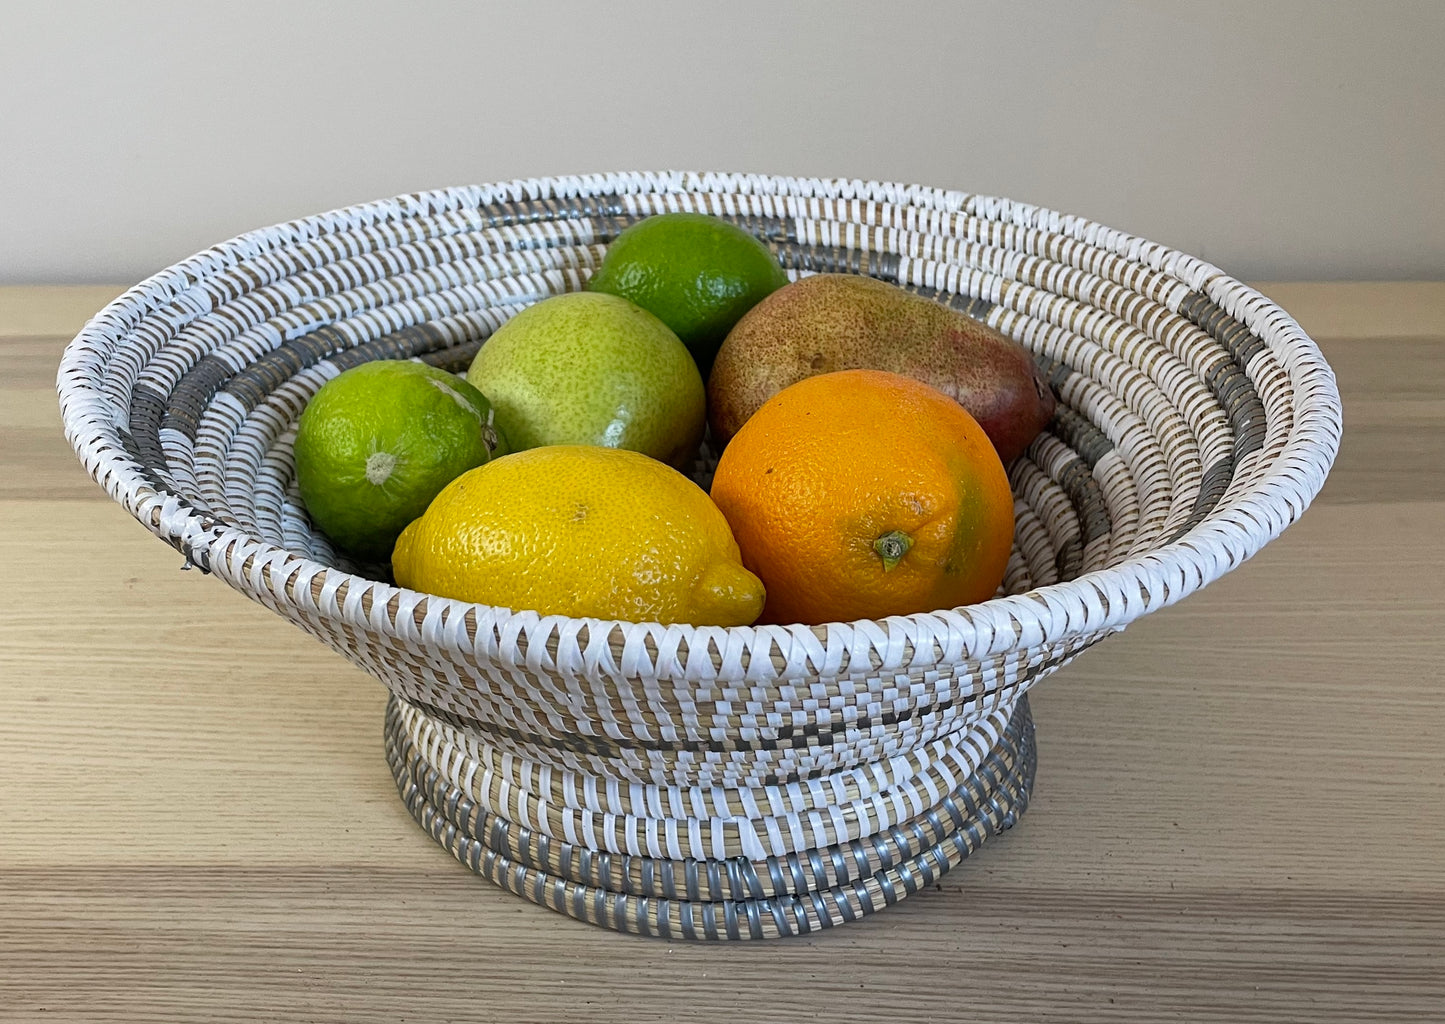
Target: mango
x=829 y=322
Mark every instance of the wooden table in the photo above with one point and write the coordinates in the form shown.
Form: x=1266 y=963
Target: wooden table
x=1238 y=817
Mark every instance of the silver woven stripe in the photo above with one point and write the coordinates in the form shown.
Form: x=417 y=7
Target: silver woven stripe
x=810 y=890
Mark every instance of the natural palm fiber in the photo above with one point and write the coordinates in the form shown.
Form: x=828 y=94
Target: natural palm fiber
x=734 y=898
x=1196 y=421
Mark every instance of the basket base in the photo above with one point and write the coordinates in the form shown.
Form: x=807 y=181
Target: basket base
x=731 y=898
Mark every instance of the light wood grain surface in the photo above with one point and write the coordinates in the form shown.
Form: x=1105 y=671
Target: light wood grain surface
x=1238 y=817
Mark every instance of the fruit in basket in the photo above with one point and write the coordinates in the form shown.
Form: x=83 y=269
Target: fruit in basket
x=377 y=442
x=581 y=531
x=584 y=368
x=698 y=274
x=847 y=321
x=863 y=493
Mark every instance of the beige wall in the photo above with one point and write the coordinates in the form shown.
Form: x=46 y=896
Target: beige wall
x=1276 y=139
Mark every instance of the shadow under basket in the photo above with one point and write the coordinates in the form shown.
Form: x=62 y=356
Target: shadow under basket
x=708 y=782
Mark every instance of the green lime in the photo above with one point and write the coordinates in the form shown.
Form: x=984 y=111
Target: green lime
x=593 y=369
x=697 y=274
x=378 y=441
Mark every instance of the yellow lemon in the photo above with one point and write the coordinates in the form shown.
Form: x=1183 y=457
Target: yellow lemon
x=581 y=531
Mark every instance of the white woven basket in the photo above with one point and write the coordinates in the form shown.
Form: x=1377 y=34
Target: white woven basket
x=1196 y=421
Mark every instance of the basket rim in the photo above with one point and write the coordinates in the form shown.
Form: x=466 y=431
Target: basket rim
x=1082 y=606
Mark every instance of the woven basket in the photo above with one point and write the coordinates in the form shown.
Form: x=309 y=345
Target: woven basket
x=706 y=781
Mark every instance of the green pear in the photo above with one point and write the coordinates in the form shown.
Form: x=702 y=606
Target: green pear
x=830 y=322
x=593 y=369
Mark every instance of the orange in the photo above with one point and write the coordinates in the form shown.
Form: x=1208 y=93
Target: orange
x=862 y=494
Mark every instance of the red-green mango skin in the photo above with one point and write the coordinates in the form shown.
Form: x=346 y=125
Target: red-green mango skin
x=829 y=322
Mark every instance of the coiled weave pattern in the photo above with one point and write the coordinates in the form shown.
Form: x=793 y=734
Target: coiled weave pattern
x=1196 y=421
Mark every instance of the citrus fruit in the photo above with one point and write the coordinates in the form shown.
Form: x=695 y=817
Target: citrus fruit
x=585 y=368
x=581 y=531
x=698 y=274
x=378 y=441
x=862 y=494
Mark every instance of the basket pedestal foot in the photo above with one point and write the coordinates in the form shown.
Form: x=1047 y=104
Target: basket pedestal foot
x=735 y=897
